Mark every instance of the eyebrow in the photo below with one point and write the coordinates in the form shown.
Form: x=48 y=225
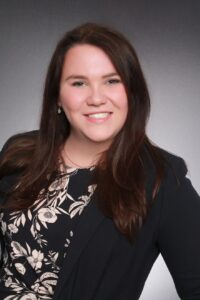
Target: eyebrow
x=85 y=77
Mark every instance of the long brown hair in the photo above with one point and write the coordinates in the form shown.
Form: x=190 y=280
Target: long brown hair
x=120 y=174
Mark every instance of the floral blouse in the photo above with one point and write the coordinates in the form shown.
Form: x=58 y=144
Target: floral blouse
x=37 y=239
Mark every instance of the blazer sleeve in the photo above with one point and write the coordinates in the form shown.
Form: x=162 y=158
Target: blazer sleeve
x=179 y=232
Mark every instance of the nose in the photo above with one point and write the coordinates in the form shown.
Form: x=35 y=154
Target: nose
x=96 y=96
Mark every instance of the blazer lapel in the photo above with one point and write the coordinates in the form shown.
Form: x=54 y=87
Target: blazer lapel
x=89 y=221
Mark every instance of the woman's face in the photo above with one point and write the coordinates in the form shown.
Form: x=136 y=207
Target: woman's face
x=92 y=95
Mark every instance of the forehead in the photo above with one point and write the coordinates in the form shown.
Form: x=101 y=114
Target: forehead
x=87 y=59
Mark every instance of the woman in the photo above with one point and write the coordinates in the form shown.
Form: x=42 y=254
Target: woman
x=87 y=202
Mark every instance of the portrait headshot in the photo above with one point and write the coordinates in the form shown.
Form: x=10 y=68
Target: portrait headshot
x=99 y=150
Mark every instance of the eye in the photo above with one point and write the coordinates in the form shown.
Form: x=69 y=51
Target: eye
x=78 y=83
x=113 y=81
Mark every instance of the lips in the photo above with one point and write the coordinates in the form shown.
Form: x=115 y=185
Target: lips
x=98 y=117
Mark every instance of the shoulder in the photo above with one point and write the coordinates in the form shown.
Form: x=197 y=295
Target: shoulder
x=17 y=148
x=177 y=201
x=17 y=139
x=163 y=164
x=175 y=174
x=173 y=164
x=178 y=196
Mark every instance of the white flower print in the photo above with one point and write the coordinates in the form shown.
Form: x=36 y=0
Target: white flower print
x=53 y=256
x=20 y=268
x=8 y=281
x=8 y=272
x=47 y=214
x=91 y=188
x=18 y=218
x=78 y=206
x=36 y=259
x=35 y=287
x=58 y=185
x=18 y=250
x=13 y=228
x=3 y=227
x=31 y=254
x=29 y=296
x=44 y=284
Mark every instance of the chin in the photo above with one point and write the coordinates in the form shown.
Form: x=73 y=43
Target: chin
x=100 y=140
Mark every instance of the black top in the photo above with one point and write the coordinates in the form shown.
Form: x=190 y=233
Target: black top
x=101 y=264
x=37 y=239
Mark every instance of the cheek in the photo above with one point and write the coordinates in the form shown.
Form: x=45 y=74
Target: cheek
x=119 y=97
x=123 y=104
x=70 y=101
x=122 y=101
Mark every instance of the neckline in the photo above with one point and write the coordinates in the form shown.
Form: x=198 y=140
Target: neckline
x=77 y=168
x=68 y=169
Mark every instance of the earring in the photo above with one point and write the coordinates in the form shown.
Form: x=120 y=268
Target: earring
x=59 y=110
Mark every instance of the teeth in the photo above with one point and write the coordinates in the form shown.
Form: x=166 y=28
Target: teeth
x=98 y=116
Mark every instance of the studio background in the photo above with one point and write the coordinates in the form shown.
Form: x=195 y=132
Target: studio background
x=166 y=35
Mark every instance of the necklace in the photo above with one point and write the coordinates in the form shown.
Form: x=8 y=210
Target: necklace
x=74 y=163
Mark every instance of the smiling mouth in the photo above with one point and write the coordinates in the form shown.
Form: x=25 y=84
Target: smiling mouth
x=98 y=118
x=99 y=115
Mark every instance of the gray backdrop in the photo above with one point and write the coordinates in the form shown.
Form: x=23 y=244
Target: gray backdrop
x=166 y=35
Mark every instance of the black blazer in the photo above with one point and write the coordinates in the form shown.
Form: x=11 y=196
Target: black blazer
x=102 y=265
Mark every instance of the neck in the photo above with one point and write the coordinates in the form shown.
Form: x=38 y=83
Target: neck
x=81 y=154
